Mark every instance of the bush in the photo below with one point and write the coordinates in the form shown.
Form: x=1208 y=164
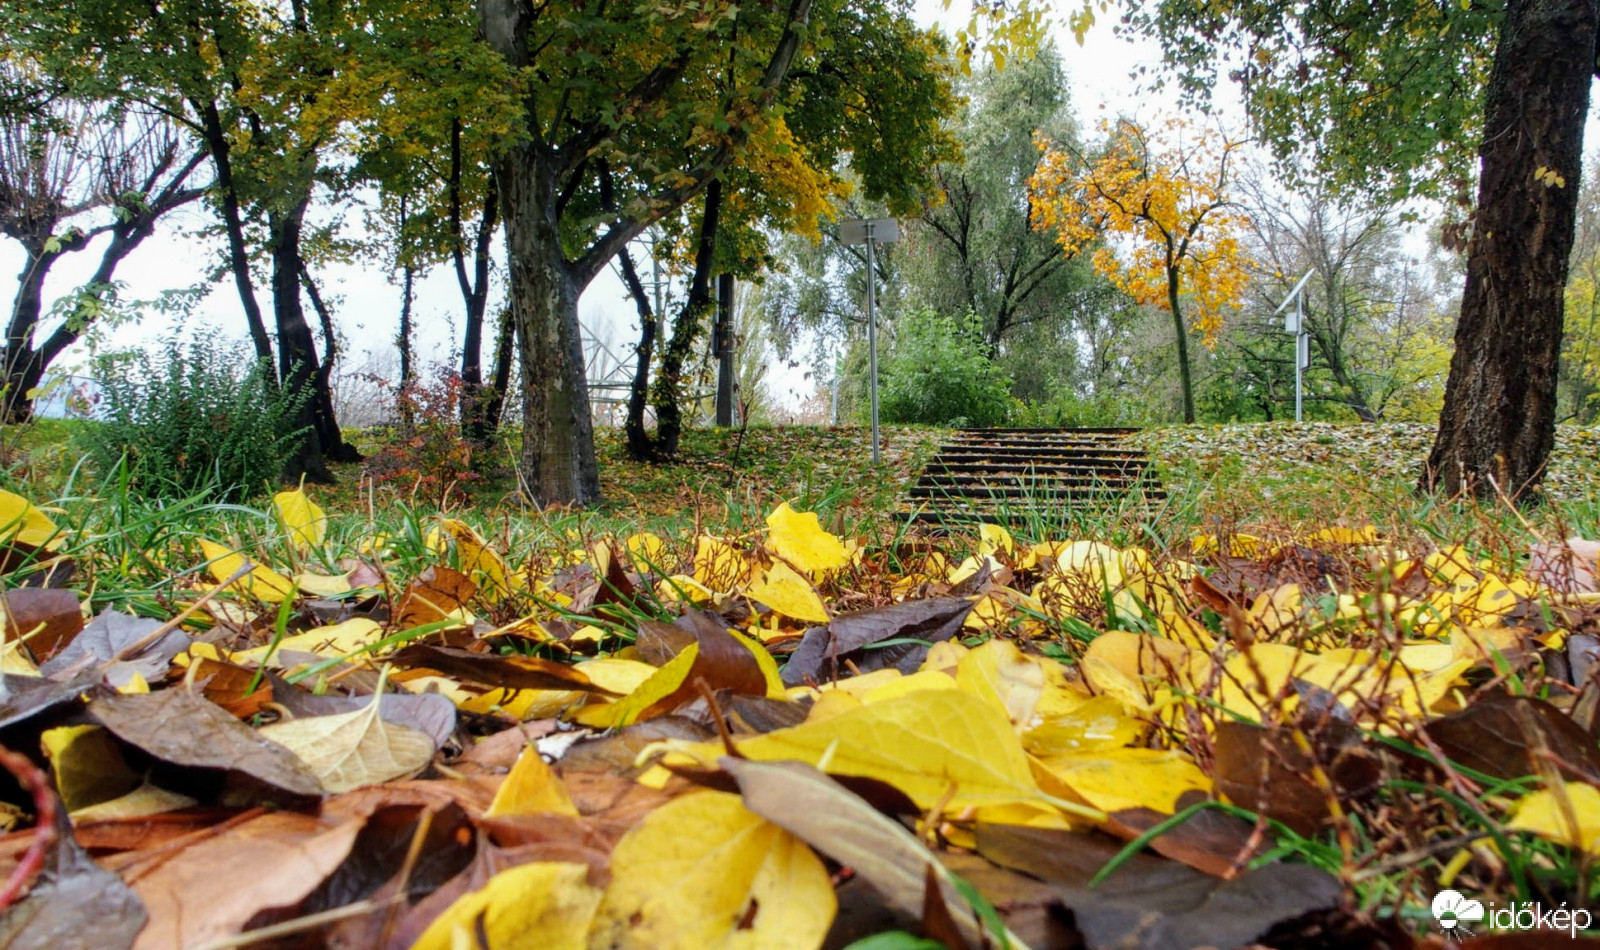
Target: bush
x=938 y=373
x=425 y=454
x=199 y=415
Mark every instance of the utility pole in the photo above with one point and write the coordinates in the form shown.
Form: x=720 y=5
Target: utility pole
x=871 y=232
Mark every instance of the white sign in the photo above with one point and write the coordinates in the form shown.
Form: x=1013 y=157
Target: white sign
x=876 y=230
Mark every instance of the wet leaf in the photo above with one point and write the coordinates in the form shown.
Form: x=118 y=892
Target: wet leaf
x=1509 y=737
x=1275 y=772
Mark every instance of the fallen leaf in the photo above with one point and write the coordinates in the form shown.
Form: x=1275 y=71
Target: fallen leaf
x=786 y=592
x=87 y=766
x=1568 y=814
x=48 y=618
x=107 y=636
x=536 y=906
x=300 y=518
x=841 y=825
x=1508 y=737
x=798 y=538
x=488 y=669
x=73 y=904
x=437 y=593
x=262 y=583
x=702 y=871
x=181 y=728
x=1153 y=904
x=531 y=788
x=823 y=652
x=346 y=751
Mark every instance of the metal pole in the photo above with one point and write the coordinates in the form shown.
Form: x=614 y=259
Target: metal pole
x=872 y=347
x=1299 y=364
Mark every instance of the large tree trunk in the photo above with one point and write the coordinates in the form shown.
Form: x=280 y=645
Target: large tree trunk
x=297 y=351
x=1498 y=423
x=22 y=371
x=558 y=461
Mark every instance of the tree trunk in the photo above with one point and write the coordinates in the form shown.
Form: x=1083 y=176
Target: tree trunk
x=474 y=293
x=722 y=346
x=233 y=225
x=21 y=369
x=297 y=351
x=339 y=450
x=1498 y=423
x=640 y=446
x=1184 y=379
x=558 y=461
x=404 y=401
x=669 y=387
x=495 y=401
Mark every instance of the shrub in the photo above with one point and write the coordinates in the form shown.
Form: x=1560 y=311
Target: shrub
x=937 y=372
x=425 y=454
x=200 y=414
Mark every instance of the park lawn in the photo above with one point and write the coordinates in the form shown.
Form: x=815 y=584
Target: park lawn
x=1292 y=652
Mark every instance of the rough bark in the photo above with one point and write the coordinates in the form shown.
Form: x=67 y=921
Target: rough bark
x=722 y=346
x=216 y=139
x=339 y=450
x=558 y=463
x=297 y=350
x=669 y=386
x=500 y=380
x=474 y=293
x=640 y=445
x=1498 y=423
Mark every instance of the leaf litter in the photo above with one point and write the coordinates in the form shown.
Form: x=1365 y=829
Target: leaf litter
x=771 y=739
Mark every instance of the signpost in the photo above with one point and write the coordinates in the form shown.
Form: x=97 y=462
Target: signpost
x=1295 y=322
x=871 y=232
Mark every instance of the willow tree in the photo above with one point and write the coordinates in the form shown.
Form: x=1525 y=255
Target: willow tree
x=1393 y=99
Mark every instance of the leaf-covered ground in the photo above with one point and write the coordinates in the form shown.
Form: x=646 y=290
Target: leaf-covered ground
x=716 y=719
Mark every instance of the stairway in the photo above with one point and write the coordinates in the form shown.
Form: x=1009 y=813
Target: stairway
x=1009 y=475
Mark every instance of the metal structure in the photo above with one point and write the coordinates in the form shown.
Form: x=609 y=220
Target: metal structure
x=871 y=232
x=1295 y=322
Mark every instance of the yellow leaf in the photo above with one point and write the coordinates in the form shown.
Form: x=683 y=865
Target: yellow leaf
x=142 y=802
x=901 y=685
x=719 y=566
x=929 y=744
x=1114 y=779
x=661 y=684
x=702 y=871
x=350 y=750
x=300 y=518
x=1098 y=723
x=531 y=788
x=323 y=585
x=998 y=673
x=87 y=765
x=798 y=538
x=340 y=639
x=538 y=906
x=648 y=551
x=1568 y=814
x=21 y=522
x=479 y=561
x=993 y=539
x=261 y=582
x=768 y=665
x=785 y=591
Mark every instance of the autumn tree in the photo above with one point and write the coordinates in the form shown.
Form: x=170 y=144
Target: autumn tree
x=1396 y=98
x=72 y=172
x=1166 y=222
x=973 y=247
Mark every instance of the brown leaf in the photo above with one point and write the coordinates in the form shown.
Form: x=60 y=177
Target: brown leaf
x=618 y=750
x=1568 y=567
x=1266 y=771
x=824 y=650
x=1211 y=841
x=429 y=713
x=722 y=663
x=106 y=637
x=937 y=922
x=73 y=904
x=228 y=685
x=48 y=618
x=437 y=592
x=217 y=886
x=27 y=696
x=659 y=642
x=1512 y=736
x=180 y=728
x=488 y=669
x=1152 y=904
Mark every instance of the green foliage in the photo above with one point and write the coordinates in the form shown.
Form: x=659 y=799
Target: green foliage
x=198 y=414
x=937 y=372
